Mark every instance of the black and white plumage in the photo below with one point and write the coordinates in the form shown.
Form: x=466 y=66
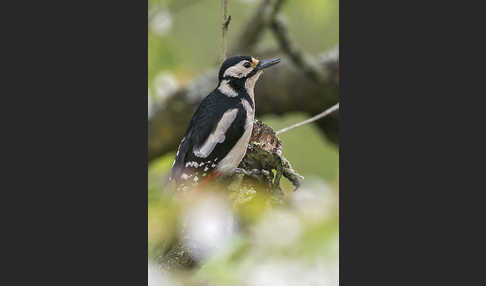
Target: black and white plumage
x=220 y=129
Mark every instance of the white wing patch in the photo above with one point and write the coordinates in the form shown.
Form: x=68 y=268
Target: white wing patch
x=217 y=136
x=228 y=164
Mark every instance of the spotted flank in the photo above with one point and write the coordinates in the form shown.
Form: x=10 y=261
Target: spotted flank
x=185 y=176
x=196 y=172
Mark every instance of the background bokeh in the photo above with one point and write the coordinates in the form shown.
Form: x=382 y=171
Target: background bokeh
x=184 y=40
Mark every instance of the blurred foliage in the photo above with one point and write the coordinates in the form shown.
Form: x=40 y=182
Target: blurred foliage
x=295 y=243
x=183 y=41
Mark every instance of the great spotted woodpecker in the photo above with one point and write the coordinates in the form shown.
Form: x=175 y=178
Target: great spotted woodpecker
x=220 y=129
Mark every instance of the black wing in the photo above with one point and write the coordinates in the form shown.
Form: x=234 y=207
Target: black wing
x=203 y=122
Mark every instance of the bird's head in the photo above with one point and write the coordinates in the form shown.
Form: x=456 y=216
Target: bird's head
x=243 y=70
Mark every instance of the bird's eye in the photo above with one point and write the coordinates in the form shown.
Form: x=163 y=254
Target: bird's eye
x=247 y=65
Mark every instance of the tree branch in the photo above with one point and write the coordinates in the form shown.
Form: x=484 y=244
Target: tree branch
x=255 y=26
x=302 y=61
x=282 y=89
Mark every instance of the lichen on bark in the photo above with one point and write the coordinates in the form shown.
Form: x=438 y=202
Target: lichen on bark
x=264 y=156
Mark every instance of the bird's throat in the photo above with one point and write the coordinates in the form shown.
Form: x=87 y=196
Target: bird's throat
x=250 y=85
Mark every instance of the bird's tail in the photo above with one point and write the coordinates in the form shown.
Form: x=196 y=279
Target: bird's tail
x=178 y=166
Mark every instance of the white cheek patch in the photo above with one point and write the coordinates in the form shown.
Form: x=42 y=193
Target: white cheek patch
x=237 y=71
x=217 y=136
x=226 y=89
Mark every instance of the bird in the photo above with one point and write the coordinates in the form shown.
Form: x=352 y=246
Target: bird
x=218 y=134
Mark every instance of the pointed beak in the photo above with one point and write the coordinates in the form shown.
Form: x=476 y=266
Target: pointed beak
x=267 y=63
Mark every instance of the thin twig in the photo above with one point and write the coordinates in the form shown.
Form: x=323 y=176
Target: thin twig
x=312 y=119
x=224 y=26
x=304 y=62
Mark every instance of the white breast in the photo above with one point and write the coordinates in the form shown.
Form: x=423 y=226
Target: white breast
x=234 y=157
